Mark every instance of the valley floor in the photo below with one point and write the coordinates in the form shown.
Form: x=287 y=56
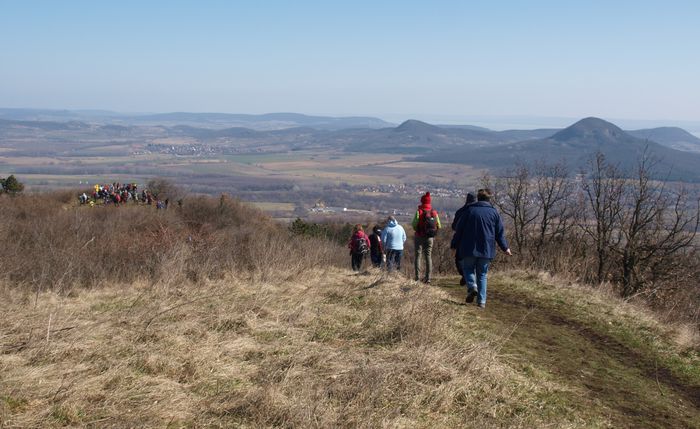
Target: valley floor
x=339 y=349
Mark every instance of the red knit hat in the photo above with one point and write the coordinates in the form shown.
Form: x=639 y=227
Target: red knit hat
x=425 y=199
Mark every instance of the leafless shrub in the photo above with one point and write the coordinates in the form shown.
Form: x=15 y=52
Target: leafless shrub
x=54 y=245
x=607 y=225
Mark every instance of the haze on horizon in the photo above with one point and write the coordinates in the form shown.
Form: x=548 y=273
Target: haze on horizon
x=632 y=60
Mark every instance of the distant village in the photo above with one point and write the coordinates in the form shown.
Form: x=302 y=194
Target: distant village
x=444 y=191
x=453 y=191
x=195 y=150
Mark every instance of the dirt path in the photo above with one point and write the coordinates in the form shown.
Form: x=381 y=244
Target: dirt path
x=602 y=373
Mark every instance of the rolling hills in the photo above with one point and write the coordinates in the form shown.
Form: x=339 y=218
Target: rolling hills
x=576 y=144
x=204 y=135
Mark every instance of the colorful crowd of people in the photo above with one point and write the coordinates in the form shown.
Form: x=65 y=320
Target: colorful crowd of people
x=121 y=193
x=478 y=230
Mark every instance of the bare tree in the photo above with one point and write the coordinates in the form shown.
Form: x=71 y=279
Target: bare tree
x=603 y=190
x=655 y=225
x=513 y=195
x=163 y=188
x=554 y=192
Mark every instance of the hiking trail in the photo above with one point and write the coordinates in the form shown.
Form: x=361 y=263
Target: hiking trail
x=629 y=385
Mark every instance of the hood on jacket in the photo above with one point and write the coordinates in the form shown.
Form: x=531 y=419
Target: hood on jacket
x=470 y=198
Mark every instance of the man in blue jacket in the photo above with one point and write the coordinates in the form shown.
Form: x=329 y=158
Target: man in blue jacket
x=478 y=231
x=471 y=199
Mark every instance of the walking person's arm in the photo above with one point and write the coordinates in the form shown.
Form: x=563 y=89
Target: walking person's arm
x=501 y=236
x=456 y=236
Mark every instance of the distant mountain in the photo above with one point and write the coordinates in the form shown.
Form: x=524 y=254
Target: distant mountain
x=464 y=127
x=413 y=126
x=519 y=135
x=207 y=133
x=673 y=137
x=576 y=144
x=269 y=121
x=591 y=131
x=43 y=125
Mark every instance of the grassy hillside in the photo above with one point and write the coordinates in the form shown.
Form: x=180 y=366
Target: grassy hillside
x=212 y=315
x=335 y=349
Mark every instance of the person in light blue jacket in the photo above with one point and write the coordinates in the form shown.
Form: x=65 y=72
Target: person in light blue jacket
x=393 y=238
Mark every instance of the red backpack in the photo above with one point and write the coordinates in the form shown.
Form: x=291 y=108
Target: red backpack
x=427 y=223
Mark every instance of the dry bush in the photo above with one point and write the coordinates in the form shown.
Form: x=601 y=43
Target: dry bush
x=52 y=244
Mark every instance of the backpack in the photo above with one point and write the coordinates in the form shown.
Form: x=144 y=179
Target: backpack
x=428 y=224
x=360 y=245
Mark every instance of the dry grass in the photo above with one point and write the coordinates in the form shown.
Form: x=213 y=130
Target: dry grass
x=330 y=350
x=606 y=306
x=214 y=316
x=52 y=245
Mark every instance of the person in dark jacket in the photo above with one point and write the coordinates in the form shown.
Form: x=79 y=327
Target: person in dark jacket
x=359 y=246
x=376 y=251
x=471 y=199
x=478 y=231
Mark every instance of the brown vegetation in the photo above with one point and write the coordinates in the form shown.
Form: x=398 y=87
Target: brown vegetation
x=50 y=244
x=214 y=316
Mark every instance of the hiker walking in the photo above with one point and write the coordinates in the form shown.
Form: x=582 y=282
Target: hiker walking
x=478 y=231
x=471 y=199
x=393 y=238
x=359 y=247
x=376 y=250
x=426 y=224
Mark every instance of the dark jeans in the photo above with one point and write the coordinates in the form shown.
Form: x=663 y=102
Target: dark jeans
x=393 y=259
x=376 y=260
x=458 y=263
x=356 y=261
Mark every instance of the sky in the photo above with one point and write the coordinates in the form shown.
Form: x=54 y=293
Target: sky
x=638 y=60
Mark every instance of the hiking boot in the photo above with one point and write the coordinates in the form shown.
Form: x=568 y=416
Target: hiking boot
x=481 y=305
x=426 y=281
x=471 y=294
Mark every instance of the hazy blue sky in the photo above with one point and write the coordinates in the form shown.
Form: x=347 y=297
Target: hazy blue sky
x=616 y=59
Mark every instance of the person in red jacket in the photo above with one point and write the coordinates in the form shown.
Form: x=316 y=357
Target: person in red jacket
x=426 y=224
x=359 y=246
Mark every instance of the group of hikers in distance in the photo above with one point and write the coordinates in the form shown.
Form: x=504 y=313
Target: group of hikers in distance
x=121 y=193
x=478 y=229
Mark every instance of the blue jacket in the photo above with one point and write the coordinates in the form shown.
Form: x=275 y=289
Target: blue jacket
x=471 y=199
x=478 y=230
x=393 y=236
